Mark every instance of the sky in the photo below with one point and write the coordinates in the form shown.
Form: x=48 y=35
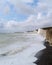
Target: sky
x=24 y=15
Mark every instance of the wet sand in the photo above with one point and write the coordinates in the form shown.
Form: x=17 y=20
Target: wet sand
x=44 y=57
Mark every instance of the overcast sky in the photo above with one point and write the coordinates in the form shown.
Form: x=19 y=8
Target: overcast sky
x=23 y=15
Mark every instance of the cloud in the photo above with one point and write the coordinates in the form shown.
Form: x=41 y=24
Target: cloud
x=11 y=26
x=45 y=6
x=14 y=26
x=39 y=16
x=32 y=23
x=6 y=9
x=27 y=1
x=1 y=4
x=21 y=6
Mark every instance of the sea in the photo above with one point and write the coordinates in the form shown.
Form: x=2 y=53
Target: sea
x=19 y=48
x=15 y=40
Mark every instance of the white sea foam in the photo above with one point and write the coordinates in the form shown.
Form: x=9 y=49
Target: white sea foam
x=19 y=49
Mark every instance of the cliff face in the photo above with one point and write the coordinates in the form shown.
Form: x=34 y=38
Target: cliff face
x=49 y=35
x=42 y=32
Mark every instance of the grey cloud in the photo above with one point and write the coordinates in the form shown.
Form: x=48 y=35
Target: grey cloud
x=33 y=21
x=21 y=7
